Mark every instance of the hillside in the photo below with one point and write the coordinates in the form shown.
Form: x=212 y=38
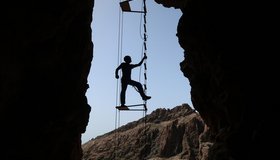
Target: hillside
x=165 y=134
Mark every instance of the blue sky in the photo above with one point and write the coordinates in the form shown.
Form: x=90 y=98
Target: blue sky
x=165 y=82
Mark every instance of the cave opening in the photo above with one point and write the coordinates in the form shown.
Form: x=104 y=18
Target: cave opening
x=166 y=83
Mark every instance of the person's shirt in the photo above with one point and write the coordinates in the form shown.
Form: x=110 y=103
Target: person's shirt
x=126 y=70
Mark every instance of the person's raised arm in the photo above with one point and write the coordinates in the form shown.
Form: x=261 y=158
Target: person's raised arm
x=142 y=60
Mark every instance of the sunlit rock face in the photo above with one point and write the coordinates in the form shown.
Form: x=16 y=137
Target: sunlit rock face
x=231 y=67
x=46 y=53
x=165 y=134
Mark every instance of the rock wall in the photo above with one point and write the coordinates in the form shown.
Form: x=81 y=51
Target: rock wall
x=165 y=134
x=46 y=53
x=230 y=64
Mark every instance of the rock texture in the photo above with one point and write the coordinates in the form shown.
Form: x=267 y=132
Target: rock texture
x=165 y=134
x=46 y=53
x=230 y=64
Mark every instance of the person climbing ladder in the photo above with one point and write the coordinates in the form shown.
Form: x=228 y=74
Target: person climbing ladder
x=126 y=80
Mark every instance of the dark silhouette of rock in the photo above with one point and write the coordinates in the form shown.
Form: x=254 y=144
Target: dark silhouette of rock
x=229 y=61
x=46 y=53
x=177 y=133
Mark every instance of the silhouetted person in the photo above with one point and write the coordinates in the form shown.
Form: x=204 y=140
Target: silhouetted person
x=126 y=78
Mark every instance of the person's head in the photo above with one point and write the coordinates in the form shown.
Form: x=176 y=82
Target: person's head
x=127 y=59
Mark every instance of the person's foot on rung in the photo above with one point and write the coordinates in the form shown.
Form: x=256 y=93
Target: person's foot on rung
x=146 y=98
x=122 y=107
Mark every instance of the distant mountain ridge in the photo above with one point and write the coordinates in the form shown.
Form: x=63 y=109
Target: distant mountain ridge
x=165 y=134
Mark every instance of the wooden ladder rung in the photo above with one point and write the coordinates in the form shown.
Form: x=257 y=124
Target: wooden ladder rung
x=127 y=107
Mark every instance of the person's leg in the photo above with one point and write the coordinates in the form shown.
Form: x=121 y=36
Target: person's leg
x=124 y=87
x=140 y=89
